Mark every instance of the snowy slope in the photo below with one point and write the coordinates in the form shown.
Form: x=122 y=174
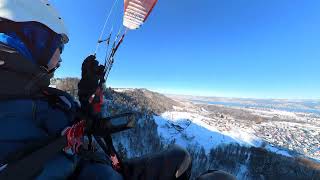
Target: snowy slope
x=237 y=140
x=186 y=128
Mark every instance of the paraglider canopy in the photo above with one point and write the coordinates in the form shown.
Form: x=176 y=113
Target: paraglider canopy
x=136 y=12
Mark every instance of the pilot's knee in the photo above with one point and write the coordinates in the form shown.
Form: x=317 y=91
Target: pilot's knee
x=216 y=175
x=183 y=160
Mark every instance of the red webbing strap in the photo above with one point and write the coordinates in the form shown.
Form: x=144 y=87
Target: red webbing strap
x=74 y=136
x=96 y=100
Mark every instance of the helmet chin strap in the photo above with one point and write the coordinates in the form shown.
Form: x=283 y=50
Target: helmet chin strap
x=51 y=71
x=54 y=69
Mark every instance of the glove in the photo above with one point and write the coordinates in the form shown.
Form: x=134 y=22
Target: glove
x=90 y=76
x=91 y=67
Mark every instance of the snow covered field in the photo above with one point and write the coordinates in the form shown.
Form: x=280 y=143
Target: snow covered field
x=188 y=128
x=277 y=132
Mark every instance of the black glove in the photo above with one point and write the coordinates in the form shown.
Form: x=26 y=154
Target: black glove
x=90 y=76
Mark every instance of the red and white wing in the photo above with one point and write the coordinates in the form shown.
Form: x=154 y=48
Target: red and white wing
x=136 y=12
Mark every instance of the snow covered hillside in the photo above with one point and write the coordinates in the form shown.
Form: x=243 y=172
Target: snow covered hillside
x=185 y=129
x=217 y=137
x=270 y=128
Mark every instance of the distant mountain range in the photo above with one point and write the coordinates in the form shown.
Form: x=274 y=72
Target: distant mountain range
x=304 y=106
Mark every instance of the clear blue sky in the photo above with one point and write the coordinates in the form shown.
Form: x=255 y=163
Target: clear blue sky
x=234 y=48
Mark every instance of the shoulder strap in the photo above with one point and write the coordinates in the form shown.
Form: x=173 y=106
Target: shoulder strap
x=60 y=99
x=25 y=78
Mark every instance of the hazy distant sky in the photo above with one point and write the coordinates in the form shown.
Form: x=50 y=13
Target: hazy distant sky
x=239 y=48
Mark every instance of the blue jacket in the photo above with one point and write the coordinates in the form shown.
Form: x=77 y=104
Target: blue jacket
x=27 y=116
x=26 y=120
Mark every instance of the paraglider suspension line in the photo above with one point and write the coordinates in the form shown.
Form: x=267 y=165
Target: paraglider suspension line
x=115 y=48
x=104 y=26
